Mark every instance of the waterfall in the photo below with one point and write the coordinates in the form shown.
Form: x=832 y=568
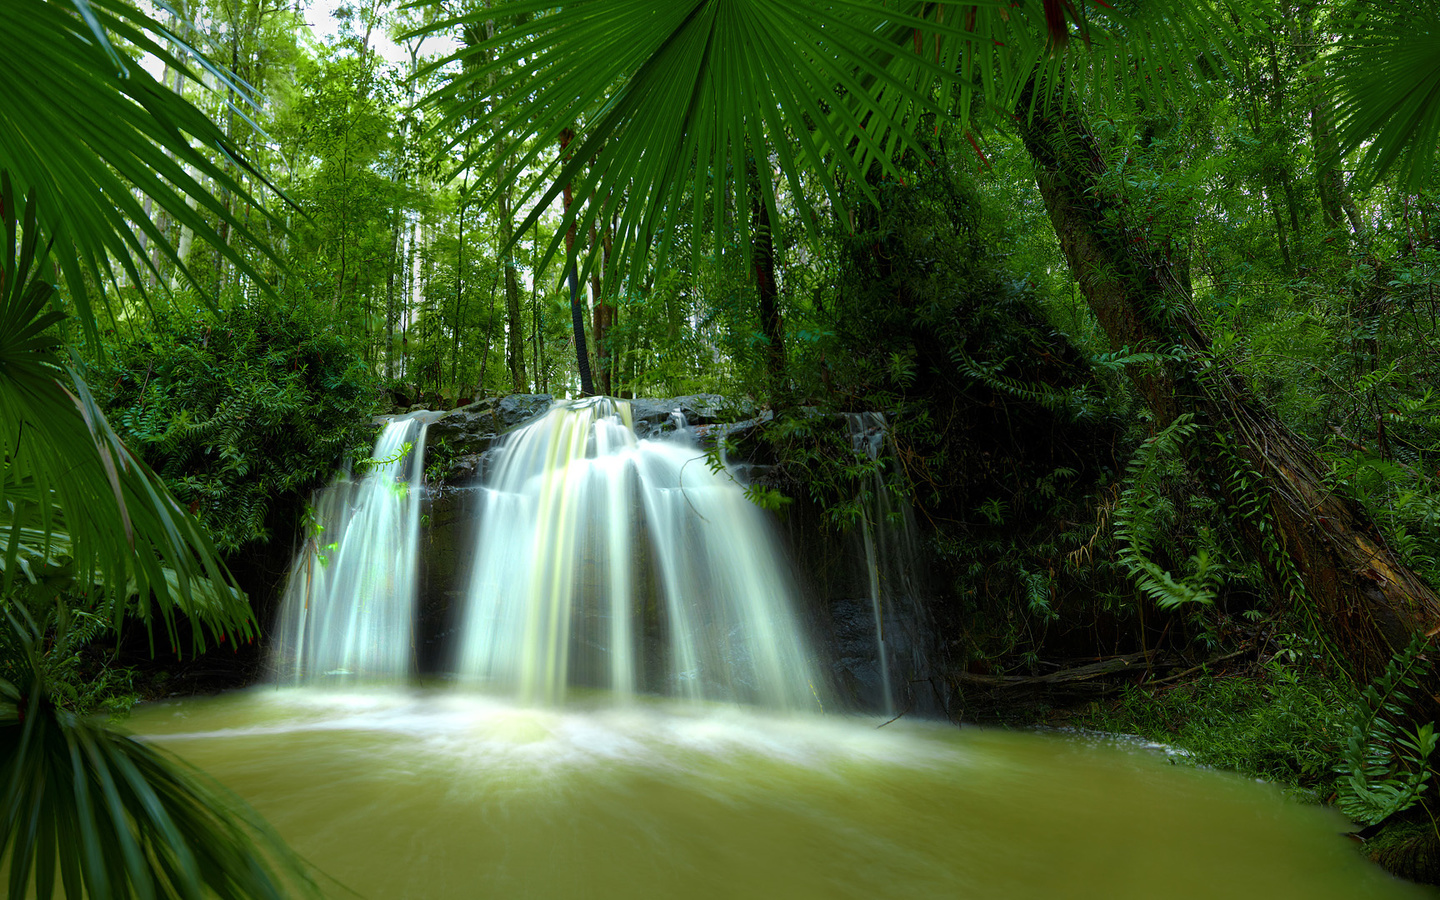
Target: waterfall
x=348 y=609
x=606 y=561
x=887 y=533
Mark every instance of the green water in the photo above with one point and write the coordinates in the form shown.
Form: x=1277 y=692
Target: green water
x=441 y=795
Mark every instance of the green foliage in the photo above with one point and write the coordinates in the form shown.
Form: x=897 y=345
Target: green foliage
x=1384 y=764
x=816 y=453
x=78 y=511
x=1143 y=515
x=116 y=817
x=1386 y=73
x=80 y=676
x=1282 y=721
x=97 y=117
x=367 y=463
x=240 y=412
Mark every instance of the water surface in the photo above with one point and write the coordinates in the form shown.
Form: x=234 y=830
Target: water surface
x=431 y=794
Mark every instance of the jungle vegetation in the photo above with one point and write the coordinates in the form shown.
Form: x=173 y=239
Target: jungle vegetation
x=1148 y=290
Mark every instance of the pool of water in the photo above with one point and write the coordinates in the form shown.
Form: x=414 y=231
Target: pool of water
x=437 y=794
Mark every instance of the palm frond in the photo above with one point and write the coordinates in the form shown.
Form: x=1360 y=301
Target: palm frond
x=114 y=817
x=69 y=488
x=670 y=98
x=1387 y=75
x=84 y=126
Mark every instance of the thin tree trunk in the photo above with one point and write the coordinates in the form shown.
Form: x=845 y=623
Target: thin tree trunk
x=402 y=179
x=515 y=342
x=459 y=282
x=762 y=262
x=515 y=346
x=1335 y=198
x=602 y=314
x=537 y=325
x=577 y=303
x=412 y=288
x=489 y=337
x=1277 y=111
x=390 y=312
x=1257 y=127
x=1313 y=542
x=187 y=235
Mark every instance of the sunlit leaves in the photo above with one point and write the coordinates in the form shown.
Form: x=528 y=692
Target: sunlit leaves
x=83 y=124
x=69 y=488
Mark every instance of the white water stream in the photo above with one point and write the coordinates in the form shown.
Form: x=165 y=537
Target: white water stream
x=349 y=608
x=632 y=565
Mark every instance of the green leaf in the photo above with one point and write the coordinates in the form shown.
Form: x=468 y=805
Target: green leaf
x=84 y=126
x=1387 y=75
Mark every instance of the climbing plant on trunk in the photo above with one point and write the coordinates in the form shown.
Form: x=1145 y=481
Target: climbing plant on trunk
x=1317 y=545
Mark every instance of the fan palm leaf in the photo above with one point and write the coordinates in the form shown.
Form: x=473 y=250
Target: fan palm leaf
x=115 y=817
x=667 y=96
x=671 y=98
x=84 y=127
x=1386 y=70
x=68 y=487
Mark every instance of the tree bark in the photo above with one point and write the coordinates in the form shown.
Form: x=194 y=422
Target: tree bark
x=515 y=346
x=1315 y=544
x=572 y=277
x=537 y=330
x=762 y=262
x=459 y=281
x=604 y=315
x=1335 y=198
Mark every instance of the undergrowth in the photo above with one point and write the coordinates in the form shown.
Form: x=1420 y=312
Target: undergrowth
x=238 y=412
x=1275 y=721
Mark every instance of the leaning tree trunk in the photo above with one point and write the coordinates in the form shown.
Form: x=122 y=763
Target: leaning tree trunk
x=1314 y=543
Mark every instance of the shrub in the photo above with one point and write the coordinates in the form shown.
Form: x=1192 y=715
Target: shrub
x=238 y=411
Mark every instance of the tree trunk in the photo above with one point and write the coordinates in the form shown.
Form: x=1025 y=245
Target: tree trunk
x=604 y=314
x=459 y=288
x=1313 y=543
x=762 y=261
x=515 y=346
x=537 y=329
x=1335 y=198
x=572 y=277
x=1267 y=190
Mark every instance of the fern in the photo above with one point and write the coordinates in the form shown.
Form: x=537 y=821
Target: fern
x=239 y=415
x=1077 y=404
x=1140 y=517
x=1384 y=767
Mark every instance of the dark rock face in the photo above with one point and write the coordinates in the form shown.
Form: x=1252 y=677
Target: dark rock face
x=472 y=429
x=835 y=590
x=654 y=418
x=446 y=545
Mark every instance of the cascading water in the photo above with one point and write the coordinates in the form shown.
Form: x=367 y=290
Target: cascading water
x=627 y=564
x=348 y=610
x=607 y=561
x=887 y=533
